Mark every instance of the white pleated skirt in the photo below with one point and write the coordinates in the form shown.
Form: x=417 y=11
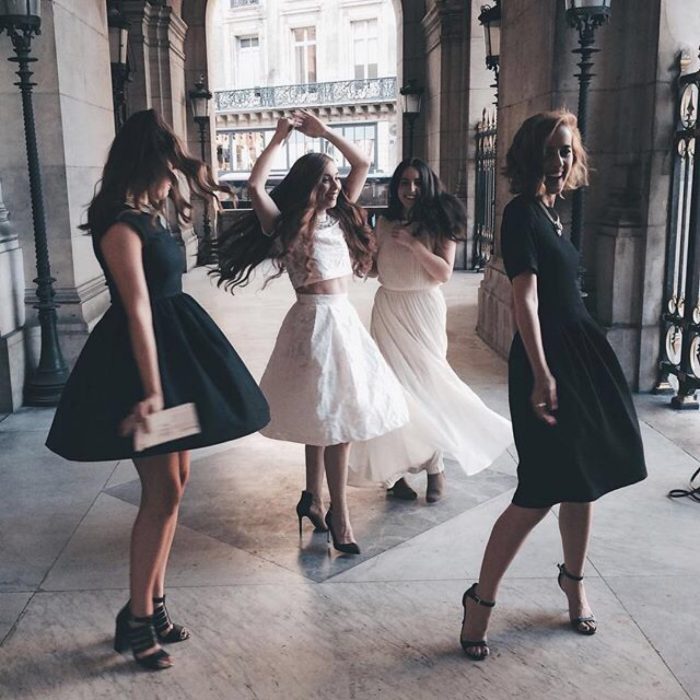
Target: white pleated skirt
x=446 y=417
x=326 y=381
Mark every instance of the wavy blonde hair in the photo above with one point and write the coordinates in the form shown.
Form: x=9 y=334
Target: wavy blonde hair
x=525 y=158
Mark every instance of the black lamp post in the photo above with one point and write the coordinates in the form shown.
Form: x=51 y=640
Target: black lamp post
x=199 y=101
x=21 y=19
x=490 y=20
x=118 y=27
x=412 y=99
x=585 y=16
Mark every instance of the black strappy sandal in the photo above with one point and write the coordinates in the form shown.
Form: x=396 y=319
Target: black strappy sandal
x=166 y=630
x=467 y=644
x=586 y=625
x=138 y=634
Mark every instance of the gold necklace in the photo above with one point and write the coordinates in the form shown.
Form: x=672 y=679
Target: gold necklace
x=555 y=222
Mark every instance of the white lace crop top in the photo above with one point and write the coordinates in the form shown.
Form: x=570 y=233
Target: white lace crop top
x=330 y=257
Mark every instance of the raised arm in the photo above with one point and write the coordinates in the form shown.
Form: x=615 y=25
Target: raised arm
x=525 y=304
x=264 y=206
x=121 y=247
x=359 y=162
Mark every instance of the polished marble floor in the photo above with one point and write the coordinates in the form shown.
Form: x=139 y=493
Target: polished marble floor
x=276 y=617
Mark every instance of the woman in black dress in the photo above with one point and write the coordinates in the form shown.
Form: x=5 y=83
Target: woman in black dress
x=154 y=348
x=574 y=422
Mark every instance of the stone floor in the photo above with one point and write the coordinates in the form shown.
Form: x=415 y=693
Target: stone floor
x=273 y=617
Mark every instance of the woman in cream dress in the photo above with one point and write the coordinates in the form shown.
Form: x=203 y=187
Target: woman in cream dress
x=416 y=250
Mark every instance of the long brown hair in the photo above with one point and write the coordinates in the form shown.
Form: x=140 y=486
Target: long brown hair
x=243 y=246
x=439 y=214
x=145 y=152
x=525 y=158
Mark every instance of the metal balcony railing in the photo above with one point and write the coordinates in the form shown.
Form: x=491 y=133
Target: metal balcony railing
x=339 y=92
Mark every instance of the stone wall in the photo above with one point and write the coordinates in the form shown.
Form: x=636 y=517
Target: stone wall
x=630 y=129
x=74 y=122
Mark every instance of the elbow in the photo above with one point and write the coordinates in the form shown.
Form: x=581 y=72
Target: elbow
x=444 y=276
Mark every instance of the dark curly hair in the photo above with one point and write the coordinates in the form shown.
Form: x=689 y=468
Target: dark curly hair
x=145 y=152
x=437 y=213
x=243 y=246
x=525 y=158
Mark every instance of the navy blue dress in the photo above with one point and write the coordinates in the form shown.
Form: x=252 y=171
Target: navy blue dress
x=196 y=361
x=595 y=446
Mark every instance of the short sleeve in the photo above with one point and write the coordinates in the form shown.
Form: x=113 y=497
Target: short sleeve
x=518 y=244
x=135 y=220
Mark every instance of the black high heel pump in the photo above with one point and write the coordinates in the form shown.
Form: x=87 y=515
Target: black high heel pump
x=304 y=511
x=345 y=548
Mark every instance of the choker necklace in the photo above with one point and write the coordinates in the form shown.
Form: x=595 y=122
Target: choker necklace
x=555 y=222
x=328 y=222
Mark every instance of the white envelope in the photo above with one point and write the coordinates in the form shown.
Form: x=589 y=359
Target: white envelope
x=170 y=424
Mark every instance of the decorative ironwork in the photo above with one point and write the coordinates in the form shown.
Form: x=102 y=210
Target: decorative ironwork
x=484 y=191
x=45 y=384
x=680 y=320
x=302 y=95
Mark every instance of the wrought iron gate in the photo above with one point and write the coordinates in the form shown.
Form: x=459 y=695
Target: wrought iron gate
x=484 y=191
x=680 y=319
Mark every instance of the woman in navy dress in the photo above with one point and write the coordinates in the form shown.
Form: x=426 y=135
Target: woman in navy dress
x=154 y=348
x=575 y=427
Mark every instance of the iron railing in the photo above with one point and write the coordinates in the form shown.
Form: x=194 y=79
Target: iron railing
x=484 y=191
x=309 y=94
x=680 y=319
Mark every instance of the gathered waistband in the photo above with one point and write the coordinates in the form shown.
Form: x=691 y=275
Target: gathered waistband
x=315 y=299
x=423 y=290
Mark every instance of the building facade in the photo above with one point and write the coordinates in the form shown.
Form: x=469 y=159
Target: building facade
x=298 y=52
x=337 y=58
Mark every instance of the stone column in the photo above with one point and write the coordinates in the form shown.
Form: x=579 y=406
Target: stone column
x=447 y=31
x=12 y=315
x=157 y=49
x=75 y=125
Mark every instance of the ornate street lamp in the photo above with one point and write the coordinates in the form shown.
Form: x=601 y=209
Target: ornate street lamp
x=199 y=102
x=412 y=100
x=490 y=20
x=585 y=16
x=118 y=27
x=21 y=19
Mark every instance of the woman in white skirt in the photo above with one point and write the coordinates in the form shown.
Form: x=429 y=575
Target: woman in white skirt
x=416 y=251
x=326 y=382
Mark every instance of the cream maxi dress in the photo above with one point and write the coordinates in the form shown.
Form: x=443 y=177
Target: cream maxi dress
x=447 y=419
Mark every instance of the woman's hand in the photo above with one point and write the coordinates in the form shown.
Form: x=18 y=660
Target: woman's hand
x=403 y=236
x=284 y=128
x=151 y=404
x=309 y=125
x=544 y=399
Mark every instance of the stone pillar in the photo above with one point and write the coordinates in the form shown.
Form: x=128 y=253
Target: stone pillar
x=75 y=125
x=12 y=315
x=157 y=48
x=528 y=70
x=412 y=66
x=447 y=32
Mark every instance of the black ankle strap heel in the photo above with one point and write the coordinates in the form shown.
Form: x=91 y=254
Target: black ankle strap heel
x=138 y=634
x=468 y=644
x=166 y=630
x=584 y=624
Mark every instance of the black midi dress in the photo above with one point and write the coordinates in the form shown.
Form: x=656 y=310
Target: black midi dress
x=595 y=446
x=196 y=362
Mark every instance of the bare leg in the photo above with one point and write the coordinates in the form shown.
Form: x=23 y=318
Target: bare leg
x=336 y=460
x=314 y=478
x=507 y=536
x=150 y=536
x=184 y=475
x=575 y=528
